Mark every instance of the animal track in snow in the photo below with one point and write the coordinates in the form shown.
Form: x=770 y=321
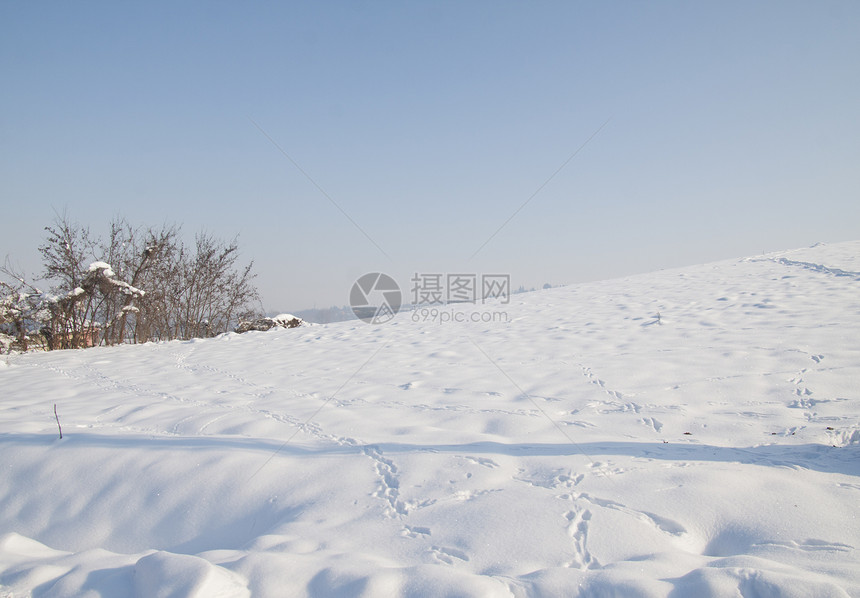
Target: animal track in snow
x=821 y=268
x=446 y=554
x=488 y=463
x=606 y=469
x=578 y=423
x=810 y=546
x=577 y=529
x=804 y=403
x=655 y=424
x=588 y=373
x=605 y=407
x=664 y=524
x=414 y=505
x=389 y=484
x=467 y=495
x=554 y=480
x=467 y=409
x=90 y=375
x=410 y=531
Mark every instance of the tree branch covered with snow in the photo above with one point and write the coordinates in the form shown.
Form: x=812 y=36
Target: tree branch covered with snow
x=135 y=285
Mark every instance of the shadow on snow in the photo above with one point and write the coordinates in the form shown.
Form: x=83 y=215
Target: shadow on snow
x=818 y=457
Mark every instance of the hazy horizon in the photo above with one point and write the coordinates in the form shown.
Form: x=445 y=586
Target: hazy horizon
x=557 y=143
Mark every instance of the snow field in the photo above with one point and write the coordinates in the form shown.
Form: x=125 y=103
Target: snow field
x=586 y=447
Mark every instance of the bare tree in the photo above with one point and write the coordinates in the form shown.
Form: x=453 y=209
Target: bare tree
x=139 y=284
x=65 y=253
x=208 y=291
x=91 y=297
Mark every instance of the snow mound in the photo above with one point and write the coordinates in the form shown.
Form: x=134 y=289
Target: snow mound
x=164 y=575
x=155 y=575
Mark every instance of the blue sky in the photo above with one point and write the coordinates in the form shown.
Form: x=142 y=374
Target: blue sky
x=733 y=128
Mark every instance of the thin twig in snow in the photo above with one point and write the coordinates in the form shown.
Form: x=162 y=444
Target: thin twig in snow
x=58 y=421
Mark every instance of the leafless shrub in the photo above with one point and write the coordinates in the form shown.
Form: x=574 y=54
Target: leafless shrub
x=134 y=285
x=22 y=310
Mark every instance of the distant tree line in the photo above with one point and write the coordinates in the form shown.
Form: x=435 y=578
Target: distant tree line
x=135 y=285
x=327 y=315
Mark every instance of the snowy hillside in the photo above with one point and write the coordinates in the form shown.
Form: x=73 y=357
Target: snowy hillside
x=585 y=447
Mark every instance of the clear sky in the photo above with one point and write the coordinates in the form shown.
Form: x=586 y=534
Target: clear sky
x=733 y=128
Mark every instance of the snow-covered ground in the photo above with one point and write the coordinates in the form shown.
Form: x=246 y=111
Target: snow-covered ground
x=585 y=447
